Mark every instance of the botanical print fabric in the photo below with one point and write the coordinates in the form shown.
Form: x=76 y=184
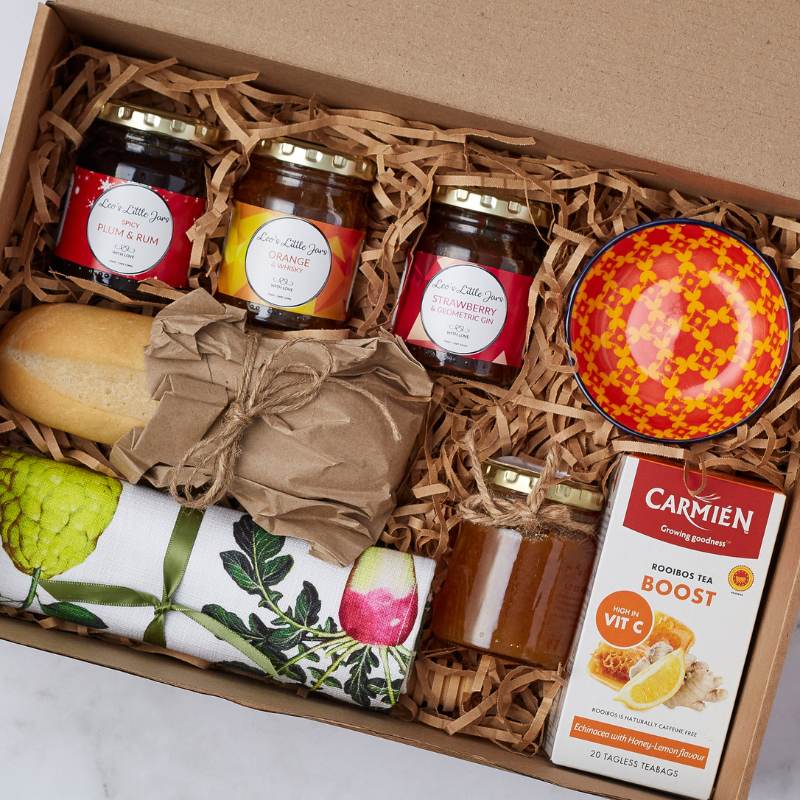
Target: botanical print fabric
x=128 y=560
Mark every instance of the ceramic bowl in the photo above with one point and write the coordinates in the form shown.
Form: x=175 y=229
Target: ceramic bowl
x=679 y=329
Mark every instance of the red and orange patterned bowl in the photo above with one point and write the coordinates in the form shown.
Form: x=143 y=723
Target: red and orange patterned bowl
x=679 y=329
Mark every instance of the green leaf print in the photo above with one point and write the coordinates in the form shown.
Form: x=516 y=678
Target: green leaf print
x=274 y=571
x=329 y=681
x=379 y=687
x=240 y=569
x=73 y=613
x=255 y=541
x=227 y=618
x=308 y=605
x=301 y=648
x=260 y=636
x=330 y=626
x=361 y=663
x=285 y=638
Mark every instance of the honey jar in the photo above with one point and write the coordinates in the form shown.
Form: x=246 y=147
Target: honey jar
x=463 y=305
x=518 y=593
x=295 y=236
x=137 y=187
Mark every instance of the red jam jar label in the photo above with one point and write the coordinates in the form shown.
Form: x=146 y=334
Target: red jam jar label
x=128 y=229
x=466 y=309
x=291 y=263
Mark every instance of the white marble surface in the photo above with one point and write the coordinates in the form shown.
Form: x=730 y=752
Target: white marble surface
x=78 y=732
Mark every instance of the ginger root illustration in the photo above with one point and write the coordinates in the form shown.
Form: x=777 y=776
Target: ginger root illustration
x=700 y=685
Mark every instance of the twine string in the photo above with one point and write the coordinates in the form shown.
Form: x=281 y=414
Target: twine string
x=267 y=388
x=531 y=515
x=695 y=461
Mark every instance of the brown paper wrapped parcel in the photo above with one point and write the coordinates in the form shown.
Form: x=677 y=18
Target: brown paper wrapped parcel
x=328 y=424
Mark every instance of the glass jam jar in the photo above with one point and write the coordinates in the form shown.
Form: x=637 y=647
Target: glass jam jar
x=297 y=226
x=137 y=187
x=514 y=593
x=463 y=304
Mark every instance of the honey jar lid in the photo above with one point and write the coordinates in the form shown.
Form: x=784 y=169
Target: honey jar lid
x=164 y=123
x=521 y=475
x=538 y=214
x=307 y=154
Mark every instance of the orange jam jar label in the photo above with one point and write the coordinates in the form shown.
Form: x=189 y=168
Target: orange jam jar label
x=288 y=262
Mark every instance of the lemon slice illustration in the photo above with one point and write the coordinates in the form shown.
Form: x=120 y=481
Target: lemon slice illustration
x=656 y=684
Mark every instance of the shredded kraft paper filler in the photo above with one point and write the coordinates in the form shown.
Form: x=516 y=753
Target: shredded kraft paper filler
x=542 y=415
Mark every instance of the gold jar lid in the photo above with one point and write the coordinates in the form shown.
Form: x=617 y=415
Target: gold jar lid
x=518 y=475
x=538 y=214
x=306 y=154
x=164 y=123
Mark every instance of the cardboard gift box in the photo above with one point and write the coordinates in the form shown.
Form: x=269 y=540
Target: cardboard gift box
x=677 y=104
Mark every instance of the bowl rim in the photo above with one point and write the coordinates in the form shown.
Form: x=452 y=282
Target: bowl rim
x=581 y=277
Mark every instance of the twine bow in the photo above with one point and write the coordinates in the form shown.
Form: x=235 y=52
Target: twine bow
x=273 y=387
x=531 y=515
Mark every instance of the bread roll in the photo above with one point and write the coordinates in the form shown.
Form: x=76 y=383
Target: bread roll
x=78 y=369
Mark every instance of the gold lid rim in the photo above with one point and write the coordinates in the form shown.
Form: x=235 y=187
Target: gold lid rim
x=531 y=213
x=316 y=156
x=163 y=123
x=522 y=476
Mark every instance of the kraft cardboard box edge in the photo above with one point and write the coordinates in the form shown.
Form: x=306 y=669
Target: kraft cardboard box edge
x=348 y=92
x=687 y=100
x=263 y=697
x=776 y=623
x=30 y=101
x=48 y=38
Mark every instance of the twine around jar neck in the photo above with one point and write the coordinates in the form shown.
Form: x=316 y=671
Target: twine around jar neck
x=529 y=514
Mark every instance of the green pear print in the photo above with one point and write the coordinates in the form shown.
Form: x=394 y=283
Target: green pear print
x=51 y=514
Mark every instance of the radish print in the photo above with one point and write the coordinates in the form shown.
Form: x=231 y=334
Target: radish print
x=379 y=603
x=358 y=655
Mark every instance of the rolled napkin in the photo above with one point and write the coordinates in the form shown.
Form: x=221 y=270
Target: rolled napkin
x=90 y=549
